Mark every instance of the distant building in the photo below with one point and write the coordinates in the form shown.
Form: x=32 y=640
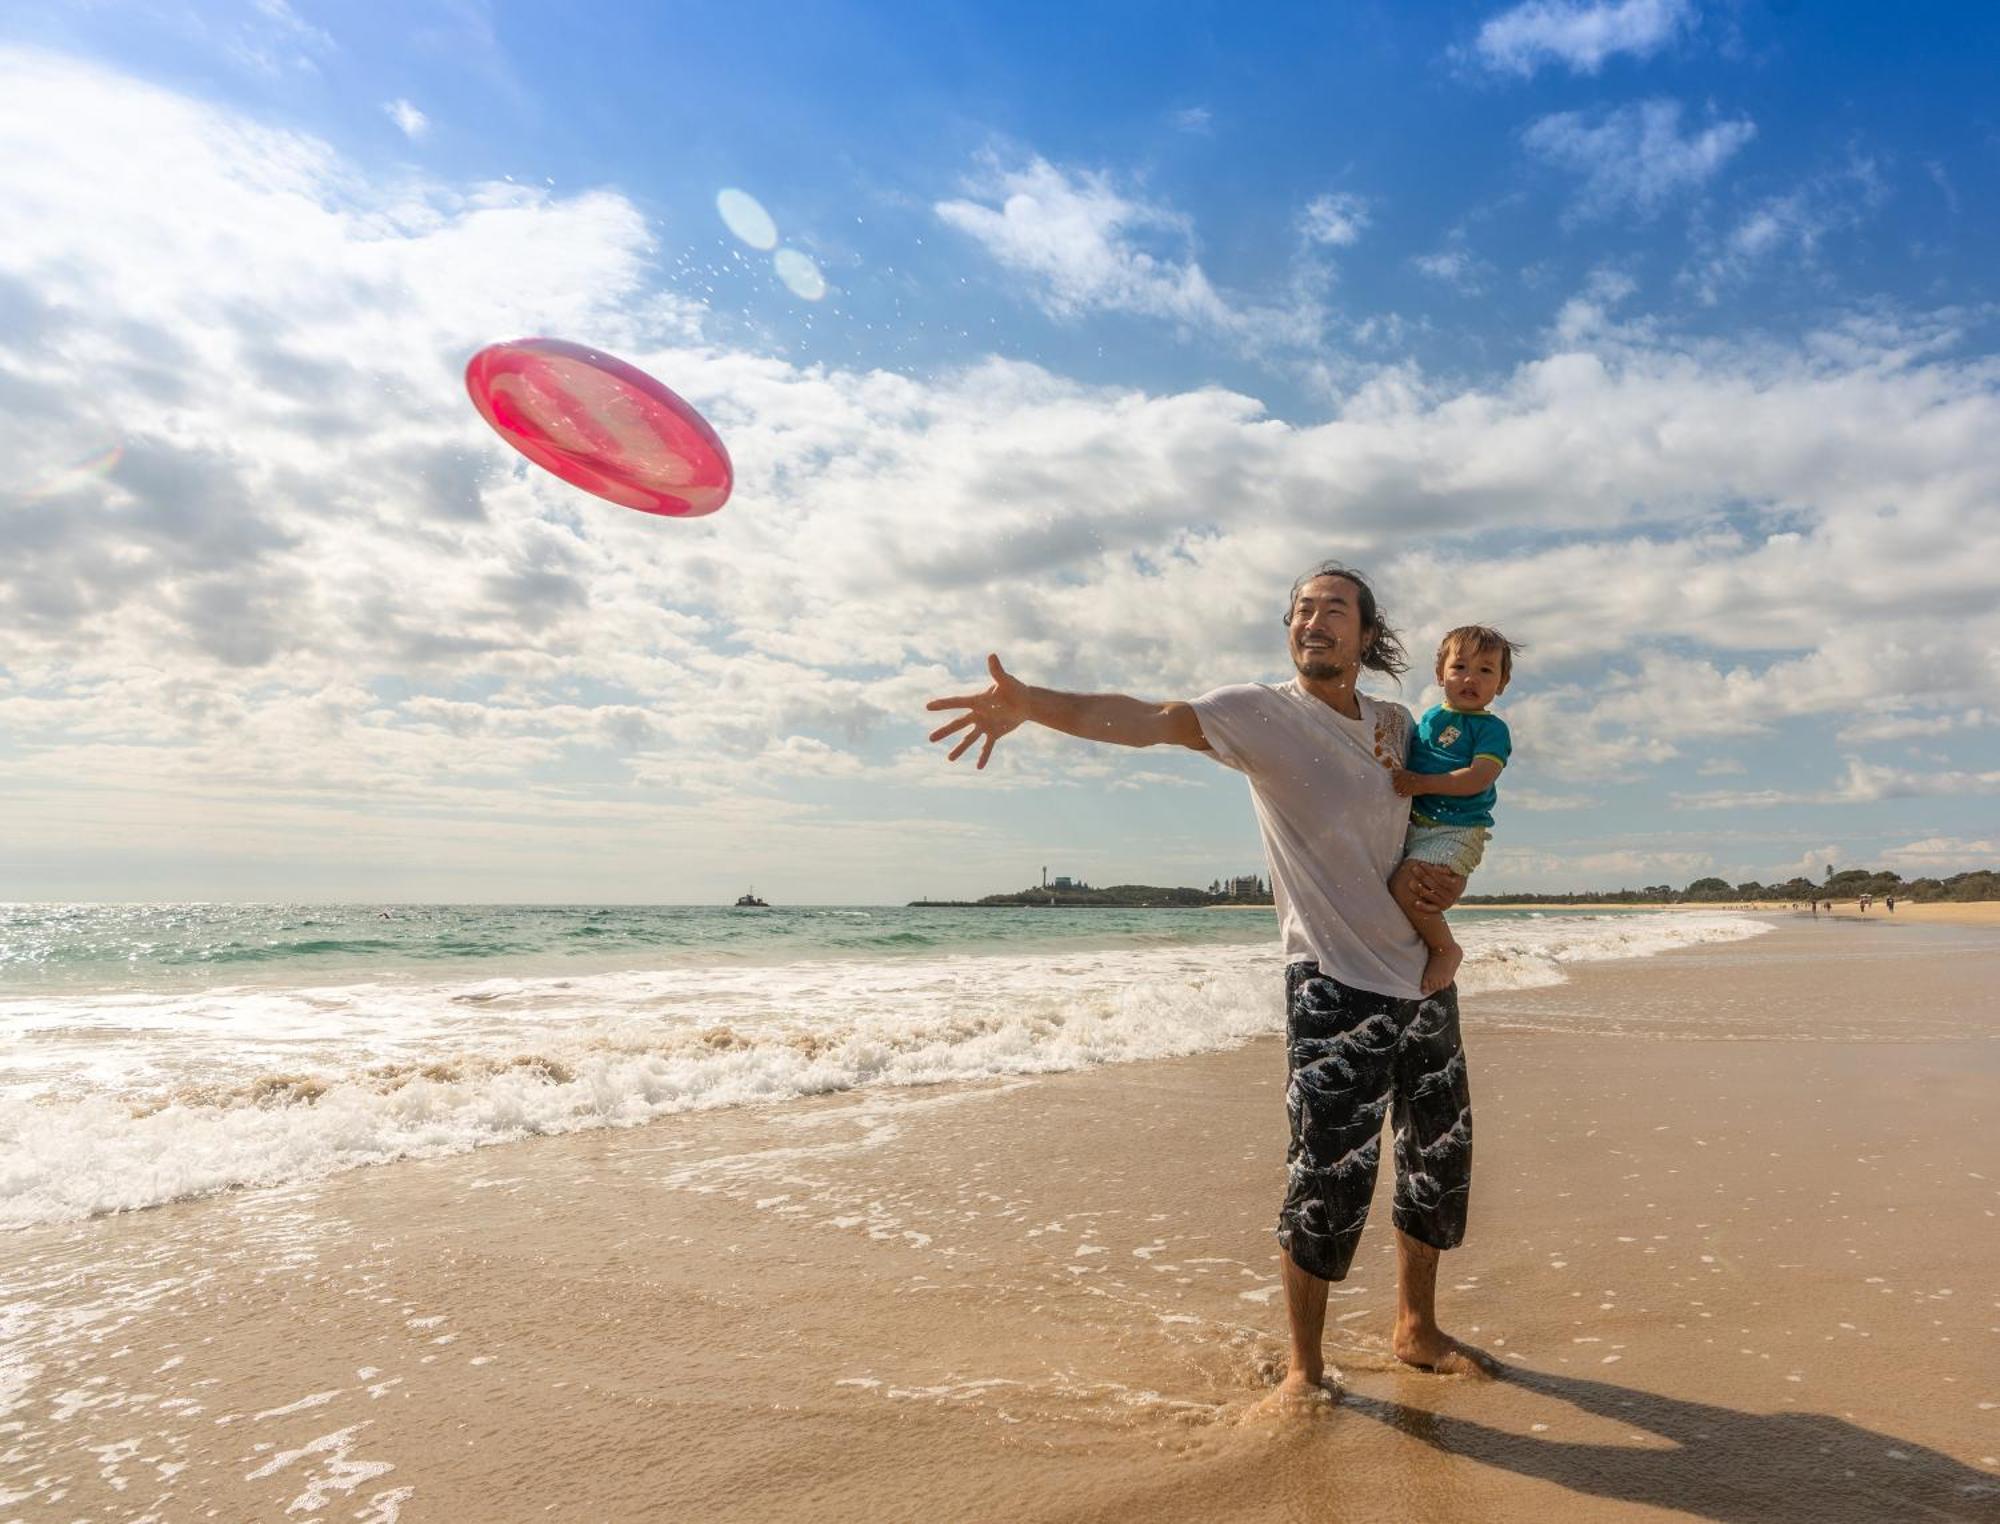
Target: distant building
x=1249 y=886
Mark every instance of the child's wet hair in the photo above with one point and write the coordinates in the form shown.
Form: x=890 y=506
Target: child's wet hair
x=1477 y=640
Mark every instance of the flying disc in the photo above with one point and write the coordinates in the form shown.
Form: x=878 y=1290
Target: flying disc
x=602 y=425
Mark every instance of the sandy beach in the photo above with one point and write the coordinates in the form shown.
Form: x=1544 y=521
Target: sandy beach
x=1734 y=1236
x=1944 y=912
x=1968 y=913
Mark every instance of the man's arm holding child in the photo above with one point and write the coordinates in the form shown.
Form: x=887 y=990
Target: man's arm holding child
x=1476 y=779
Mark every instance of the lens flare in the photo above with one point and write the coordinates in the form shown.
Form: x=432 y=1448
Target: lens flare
x=799 y=273
x=745 y=216
x=98 y=462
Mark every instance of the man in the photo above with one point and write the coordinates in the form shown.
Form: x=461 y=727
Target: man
x=1361 y=1042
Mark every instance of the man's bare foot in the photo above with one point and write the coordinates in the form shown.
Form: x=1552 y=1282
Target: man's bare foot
x=1299 y=1384
x=1436 y=1351
x=1301 y=1391
x=1441 y=968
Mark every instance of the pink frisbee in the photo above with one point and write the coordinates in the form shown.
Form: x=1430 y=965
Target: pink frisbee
x=601 y=425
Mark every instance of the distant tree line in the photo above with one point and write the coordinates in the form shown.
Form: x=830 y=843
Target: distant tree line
x=1849 y=884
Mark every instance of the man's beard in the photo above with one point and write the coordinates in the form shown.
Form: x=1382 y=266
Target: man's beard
x=1320 y=668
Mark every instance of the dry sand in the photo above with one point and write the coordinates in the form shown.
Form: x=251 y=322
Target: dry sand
x=1954 y=913
x=1741 y=1264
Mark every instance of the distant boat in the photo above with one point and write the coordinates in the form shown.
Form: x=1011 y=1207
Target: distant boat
x=751 y=902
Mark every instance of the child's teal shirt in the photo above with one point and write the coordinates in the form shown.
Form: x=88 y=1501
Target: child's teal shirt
x=1445 y=740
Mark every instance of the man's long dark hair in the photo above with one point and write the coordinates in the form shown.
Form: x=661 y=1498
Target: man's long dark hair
x=1383 y=651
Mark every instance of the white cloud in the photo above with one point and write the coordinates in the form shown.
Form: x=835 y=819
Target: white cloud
x=1581 y=34
x=1792 y=227
x=1864 y=782
x=316 y=592
x=1197 y=120
x=1942 y=856
x=1605 y=868
x=1941 y=178
x=1813 y=864
x=271 y=40
x=1088 y=246
x=412 y=122
x=1455 y=266
x=1587 y=318
x=1537 y=801
x=1080 y=238
x=1335 y=217
x=1927 y=726
x=1635 y=156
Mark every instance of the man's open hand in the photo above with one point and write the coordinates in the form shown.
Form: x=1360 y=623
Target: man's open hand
x=1438 y=888
x=990 y=714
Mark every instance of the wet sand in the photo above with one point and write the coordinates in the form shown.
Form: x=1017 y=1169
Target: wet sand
x=1738 y=1258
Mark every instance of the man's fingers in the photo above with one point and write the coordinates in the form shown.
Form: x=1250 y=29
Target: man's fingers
x=964 y=702
x=987 y=750
x=993 y=666
x=963 y=747
x=958 y=724
x=1437 y=887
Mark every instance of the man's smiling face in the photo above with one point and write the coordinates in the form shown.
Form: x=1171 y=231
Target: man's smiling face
x=1327 y=636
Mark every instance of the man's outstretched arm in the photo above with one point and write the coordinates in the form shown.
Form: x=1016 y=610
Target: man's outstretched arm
x=1108 y=717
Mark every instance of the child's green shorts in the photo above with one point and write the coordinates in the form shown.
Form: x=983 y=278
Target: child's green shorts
x=1458 y=848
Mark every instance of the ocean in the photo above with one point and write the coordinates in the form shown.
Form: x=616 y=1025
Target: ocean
x=150 y=1053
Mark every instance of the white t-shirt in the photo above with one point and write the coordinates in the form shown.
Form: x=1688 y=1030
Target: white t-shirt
x=1333 y=825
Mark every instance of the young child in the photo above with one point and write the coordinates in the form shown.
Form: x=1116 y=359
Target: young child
x=1456 y=754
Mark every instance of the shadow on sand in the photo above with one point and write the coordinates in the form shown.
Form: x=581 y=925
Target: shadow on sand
x=1743 y=1468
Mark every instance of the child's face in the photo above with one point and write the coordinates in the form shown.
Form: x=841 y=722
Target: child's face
x=1470 y=679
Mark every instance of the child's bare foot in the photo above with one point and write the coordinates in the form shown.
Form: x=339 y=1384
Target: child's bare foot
x=1441 y=968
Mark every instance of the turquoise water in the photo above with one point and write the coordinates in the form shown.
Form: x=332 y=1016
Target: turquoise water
x=85 y=948
x=154 y=1052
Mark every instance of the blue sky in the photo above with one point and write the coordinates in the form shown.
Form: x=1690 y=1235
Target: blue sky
x=1659 y=333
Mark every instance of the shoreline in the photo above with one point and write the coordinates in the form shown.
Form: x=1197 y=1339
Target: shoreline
x=1738 y=1280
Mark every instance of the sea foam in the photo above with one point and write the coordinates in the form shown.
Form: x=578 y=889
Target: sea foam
x=126 y=1101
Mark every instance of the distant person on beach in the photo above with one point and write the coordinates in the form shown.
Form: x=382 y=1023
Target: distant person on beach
x=1456 y=754
x=1362 y=1042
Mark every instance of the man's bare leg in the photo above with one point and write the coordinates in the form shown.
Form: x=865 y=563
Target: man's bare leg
x=1418 y=1340
x=1305 y=1309
x=1445 y=953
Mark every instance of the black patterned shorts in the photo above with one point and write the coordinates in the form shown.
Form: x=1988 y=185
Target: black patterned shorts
x=1356 y=1057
